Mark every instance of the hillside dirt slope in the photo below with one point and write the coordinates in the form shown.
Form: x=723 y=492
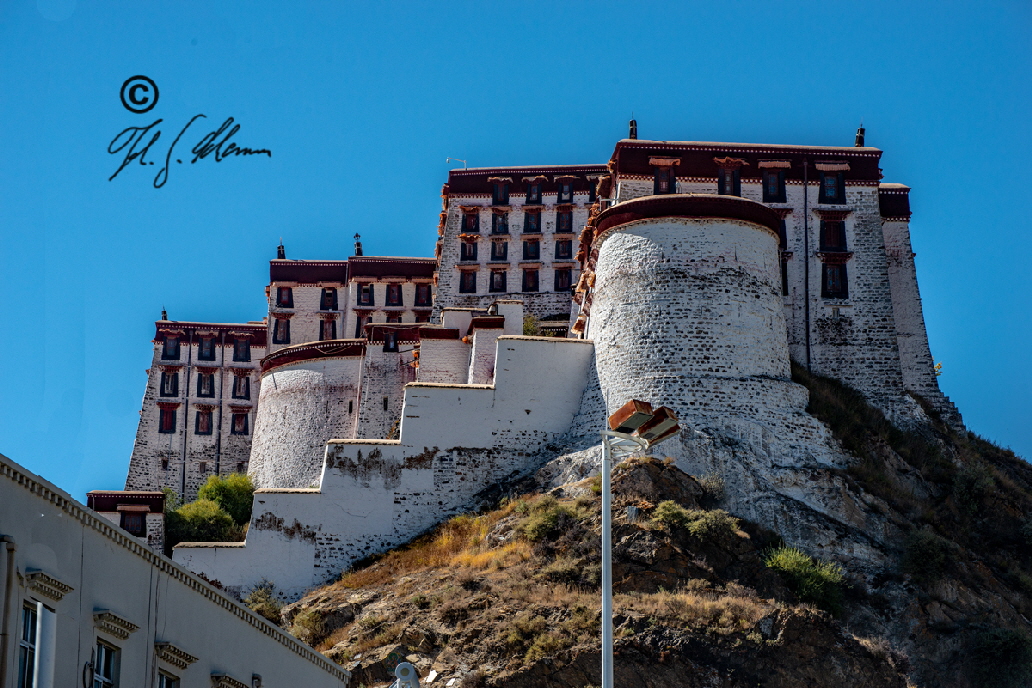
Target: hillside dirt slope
x=511 y=597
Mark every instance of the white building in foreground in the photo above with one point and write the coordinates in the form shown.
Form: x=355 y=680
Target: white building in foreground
x=86 y=604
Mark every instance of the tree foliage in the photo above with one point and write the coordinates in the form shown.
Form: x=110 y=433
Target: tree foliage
x=233 y=492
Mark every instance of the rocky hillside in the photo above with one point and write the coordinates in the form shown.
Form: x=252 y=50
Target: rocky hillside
x=939 y=595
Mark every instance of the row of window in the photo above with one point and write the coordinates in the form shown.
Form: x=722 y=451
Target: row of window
x=328 y=300
x=531 y=222
x=169 y=386
x=564 y=193
x=202 y=422
x=205 y=349
x=498 y=281
x=831 y=185
x=106 y=657
x=531 y=250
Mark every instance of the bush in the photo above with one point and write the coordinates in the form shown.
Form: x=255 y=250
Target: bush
x=200 y=521
x=264 y=601
x=926 y=556
x=814 y=581
x=1002 y=658
x=547 y=519
x=233 y=492
x=716 y=525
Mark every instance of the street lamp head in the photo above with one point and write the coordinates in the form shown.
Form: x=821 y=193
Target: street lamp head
x=638 y=419
x=631 y=416
x=663 y=425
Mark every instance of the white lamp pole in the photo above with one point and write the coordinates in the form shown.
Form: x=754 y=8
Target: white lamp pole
x=615 y=447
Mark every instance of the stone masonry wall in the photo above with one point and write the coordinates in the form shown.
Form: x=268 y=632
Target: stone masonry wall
x=443 y=360
x=302 y=406
x=384 y=376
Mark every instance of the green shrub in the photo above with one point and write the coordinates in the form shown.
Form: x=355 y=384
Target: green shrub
x=545 y=645
x=547 y=518
x=812 y=580
x=1001 y=658
x=715 y=525
x=200 y=521
x=309 y=627
x=264 y=601
x=972 y=484
x=233 y=492
x=926 y=556
x=531 y=327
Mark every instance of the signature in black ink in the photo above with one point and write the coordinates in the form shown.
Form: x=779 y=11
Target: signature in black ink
x=216 y=144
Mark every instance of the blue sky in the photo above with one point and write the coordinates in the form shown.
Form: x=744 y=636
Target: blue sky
x=360 y=105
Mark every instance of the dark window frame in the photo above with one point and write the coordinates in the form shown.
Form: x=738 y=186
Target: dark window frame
x=560 y=216
x=394 y=296
x=834 y=281
x=197 y=421
x=534 y=193
x=421 y=289
x=735 y=176
x=328 y=327
x=285 y=297
x=471 y=223
x=201 y=379
x=170 y=349
x=502 y=254
x=564 y=249
x=468 y=250
x=328 y=299
x=560 y=284
x=840 y=188
x=360 y=322
x=281 y=331
x=500 y=194
x=531 y=280
x=496 y=285
x=833 y=236
x=499 y=223
x=366 y=295
x=390 y=341
x=166 y=421
x=532 y=222
x=779 y=194
x=664 y=174
x=468 y=282
x=239 y=424
x=105 y=670
x=564 y=191
x=169 y=385
x=28 y=645
x=244 y=382
x=242 y=349
x=206 y=349
x=532 y=249
x=134 y=523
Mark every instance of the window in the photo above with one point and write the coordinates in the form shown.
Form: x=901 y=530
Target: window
x=834 y=284
x=281 y=331
x=833 y=188
x=390 y=341
x=241 y=349
x=365 y=295
x=498 y=280
x=394 y=318
x=468 y=282
x=170 y=349
x=783 y=236
x=133 y=523
x=205 y=384
x=530 y=280
x=833 y=236
x=664 y=181
x=563 y=279
x=471 y=223
x=240 y=467
x=784 y=277
x=394 y=294
x=202 y=467
x=202 y=426
x=206 y=349
x=328 y=301
x=285 y=297
x=774 y=186
x=167 y=681
x=27 y=648
x=534 y=193
x=422 y=317
x=468 y=250
x=241 y=387
x=532 y=249
x=169 y=384
x=423 y=295
x=592 y=189
x=328 y=330
x=565 y=191
x=239 y=423
x=166 y=420
x=564 y=249
x=359 y=324
x=499 y=250
x=532 y=222
x=564 y=221
x=729 y=182
x=499 y=223
x=501 y=194
x=164 y=464
x=105 y=668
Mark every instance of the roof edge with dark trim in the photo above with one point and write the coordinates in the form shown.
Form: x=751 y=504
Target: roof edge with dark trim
x=688 y=206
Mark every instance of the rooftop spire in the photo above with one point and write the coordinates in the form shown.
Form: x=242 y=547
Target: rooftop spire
x=358 y=244
x=281 y=252
x=164 y=313
x=634 y=128
x=859 y=143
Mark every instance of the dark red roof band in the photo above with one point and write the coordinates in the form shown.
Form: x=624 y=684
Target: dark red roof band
x=464 y=182
x=894 y=200
x=690 y=206
x=256 y=331
x=336 y=348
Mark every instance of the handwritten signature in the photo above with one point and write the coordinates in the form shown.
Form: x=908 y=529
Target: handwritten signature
x=215 y=144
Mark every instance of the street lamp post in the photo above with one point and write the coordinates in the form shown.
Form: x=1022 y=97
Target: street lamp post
x=633 y=428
